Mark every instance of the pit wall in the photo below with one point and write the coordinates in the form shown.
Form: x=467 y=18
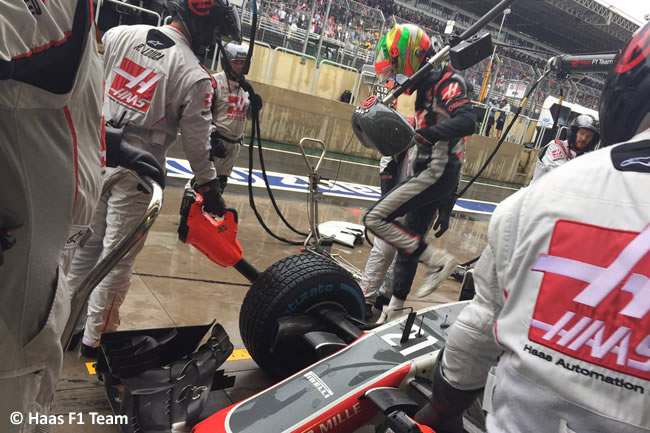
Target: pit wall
x=289 y=116
x=301 y=100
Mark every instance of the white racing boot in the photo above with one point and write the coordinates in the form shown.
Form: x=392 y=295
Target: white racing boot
x=440 y=265
x=389 y=312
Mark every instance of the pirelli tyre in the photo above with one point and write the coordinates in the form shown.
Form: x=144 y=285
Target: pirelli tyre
x=294 y=285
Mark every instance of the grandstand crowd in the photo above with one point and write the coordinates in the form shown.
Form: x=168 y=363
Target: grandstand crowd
x=357 y=23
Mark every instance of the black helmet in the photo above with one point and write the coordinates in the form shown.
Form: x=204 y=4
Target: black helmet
x=207 y=20
x=625 y=102
x=379 y=127
x=587 y=122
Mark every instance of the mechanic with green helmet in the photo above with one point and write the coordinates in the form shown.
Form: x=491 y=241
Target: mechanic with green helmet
x=443 y=117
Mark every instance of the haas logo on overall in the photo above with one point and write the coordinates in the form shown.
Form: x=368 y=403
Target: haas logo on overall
x=134 y=85
x=236 y=107
x=594 y=299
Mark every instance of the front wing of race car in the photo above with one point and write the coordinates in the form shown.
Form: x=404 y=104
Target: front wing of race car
x=328 y=396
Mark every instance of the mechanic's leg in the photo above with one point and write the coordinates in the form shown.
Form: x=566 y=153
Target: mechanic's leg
x=126 y=206
x=224 y=165
x=382 y=253
x=35 y=298
x=414 y=193
x=386 y=289
x=380 y=258
x=86 y=256
x=418 y=222
x=38 y=184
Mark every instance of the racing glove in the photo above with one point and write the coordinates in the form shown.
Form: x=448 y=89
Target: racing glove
x=444 y=213
x=426 y=136
x=393 y=310
x=8 y=221
x=246 y=86
x=444 y=413
x=212 y=200
x=256 y=100
x=120 y=153
x=218 y=146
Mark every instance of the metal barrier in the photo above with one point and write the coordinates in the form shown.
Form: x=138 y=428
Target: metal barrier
x=269 y=73
x=126 y=5
x=540 y=136
x=522 y=131
x=318 y=66
x=484 y=123
x=355 y=92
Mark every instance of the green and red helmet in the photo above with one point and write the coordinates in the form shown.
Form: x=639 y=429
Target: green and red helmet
x=401 y=51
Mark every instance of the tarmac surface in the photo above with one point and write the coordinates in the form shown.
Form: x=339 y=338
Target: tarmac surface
x=174 y=284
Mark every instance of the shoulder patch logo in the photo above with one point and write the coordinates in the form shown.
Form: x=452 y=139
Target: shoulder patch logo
x=450 y=92
x=633 y=156
x=158 y=40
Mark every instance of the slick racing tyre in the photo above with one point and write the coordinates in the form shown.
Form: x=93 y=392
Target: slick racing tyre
x=292 y=286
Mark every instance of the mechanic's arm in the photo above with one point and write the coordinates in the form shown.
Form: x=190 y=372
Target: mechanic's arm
x=459 y=108
x=217 y=145
x=195 y=122
x=471 y=347
x=554 y=156
x=255 y=100
x=196 y=119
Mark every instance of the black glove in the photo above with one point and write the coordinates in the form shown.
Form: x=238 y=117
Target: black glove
x=120 y=153
x=212 y=200
x=256 y=102
x=246 y=86
x=427 y=134
x=218 y=146
x=444 y=213
x=8 y=221
x=444 y=413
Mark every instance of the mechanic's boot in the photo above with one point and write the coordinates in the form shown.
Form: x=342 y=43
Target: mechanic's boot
x=440 y=265
x=393 y=310
x=89 y=348
x=89 y=352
